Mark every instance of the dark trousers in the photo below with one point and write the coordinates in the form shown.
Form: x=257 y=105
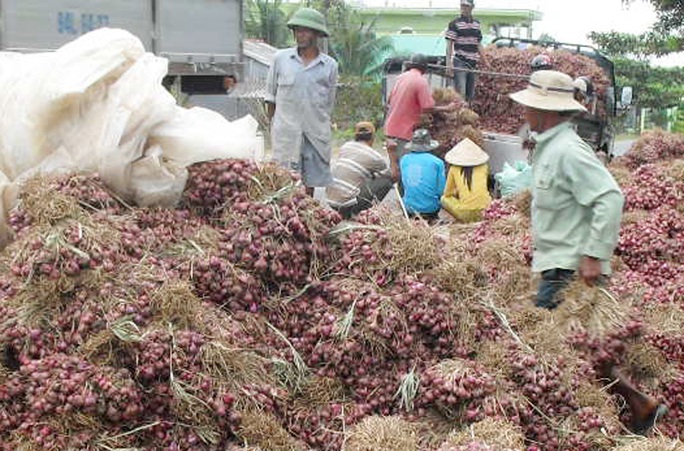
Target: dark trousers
x=552 y=282
x=372 y=192
x=464 y=81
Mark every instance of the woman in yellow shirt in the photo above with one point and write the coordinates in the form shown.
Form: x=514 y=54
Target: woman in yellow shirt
x=466 y=194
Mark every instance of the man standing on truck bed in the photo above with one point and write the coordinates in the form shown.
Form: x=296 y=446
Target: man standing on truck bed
x=464 y=49
x=300 y=95
x=576 y=211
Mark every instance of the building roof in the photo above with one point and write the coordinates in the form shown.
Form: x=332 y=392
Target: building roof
x=259 y=51
x=529 y=14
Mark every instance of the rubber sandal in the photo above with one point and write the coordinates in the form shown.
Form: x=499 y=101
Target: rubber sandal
x=644 y=426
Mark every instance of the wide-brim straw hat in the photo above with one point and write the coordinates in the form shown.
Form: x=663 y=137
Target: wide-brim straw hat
x=466 y=153
x=549 y=90
x=422 y=142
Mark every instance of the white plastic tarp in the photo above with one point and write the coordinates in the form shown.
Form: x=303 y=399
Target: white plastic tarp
x=98 y=105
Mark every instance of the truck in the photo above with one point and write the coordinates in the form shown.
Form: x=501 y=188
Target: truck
x=594 y=128
x=202 y=39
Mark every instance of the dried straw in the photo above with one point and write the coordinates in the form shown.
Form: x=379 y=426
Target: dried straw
x=589 y=394
x=594 y=309
x=193 y=412
x=45 y=205
x=494 y=357
x=271 y=182
x=675 y=169
x=491 y=431
x=645 y=361
x=445 y=96
x=523 y=203
x=516 y=226
x=176 y=304
x=465 y=278
x=321 y=391
x=663 y=318
x=635 y=443
x=433 y=429
x=203 y=241
x=387 y=433
x=537 y=328
x=501 y=254
x=466 y=116
x=415 y=246
x=621 y=173
x=513 y=284
x=470 y=132
x=262 y=429
x=100 y=348
x=234 y=366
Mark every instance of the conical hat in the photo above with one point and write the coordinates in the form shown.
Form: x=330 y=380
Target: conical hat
x=466 y=153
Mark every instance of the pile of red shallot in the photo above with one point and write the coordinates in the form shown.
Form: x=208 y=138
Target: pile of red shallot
x=252 y=317
x=509 y=70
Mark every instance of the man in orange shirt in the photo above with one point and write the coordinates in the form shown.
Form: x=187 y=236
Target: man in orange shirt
x=411 y=96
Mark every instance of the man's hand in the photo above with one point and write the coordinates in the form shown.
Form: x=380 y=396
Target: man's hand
x=449 y=72
x=589 y=269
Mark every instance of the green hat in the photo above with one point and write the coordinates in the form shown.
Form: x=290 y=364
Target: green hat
x=309 y=18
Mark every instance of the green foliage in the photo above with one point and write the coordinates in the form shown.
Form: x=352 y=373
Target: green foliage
x=670 y=14
x=358 y=49
x=358 y=99
x=654 y=87
x=668 y=30
x=353 y=41
x=636 y=46
x=678 y=126
x=266 y=20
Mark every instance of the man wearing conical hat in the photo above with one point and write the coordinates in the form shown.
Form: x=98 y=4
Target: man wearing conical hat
x=576 y=211
x=466 y=194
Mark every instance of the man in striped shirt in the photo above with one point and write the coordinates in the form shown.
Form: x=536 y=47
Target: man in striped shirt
x=464 y=49
x=360 y=176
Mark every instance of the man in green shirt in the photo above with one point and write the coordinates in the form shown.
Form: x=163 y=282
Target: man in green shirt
x=577 y=205
x=576 y=211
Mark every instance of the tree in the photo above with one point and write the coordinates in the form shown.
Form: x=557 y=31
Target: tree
x=353 y=42
x=546 y=38
x=669 y=28
x=636 y=46
x=267 y=21
x=359 y=51
x=654 y=87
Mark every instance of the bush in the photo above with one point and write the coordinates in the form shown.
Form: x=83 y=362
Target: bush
x=358 y=99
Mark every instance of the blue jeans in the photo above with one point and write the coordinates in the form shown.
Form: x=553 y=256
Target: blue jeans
x=551 y=283
x=464 y=82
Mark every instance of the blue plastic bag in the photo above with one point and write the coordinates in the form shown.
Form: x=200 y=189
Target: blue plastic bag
x=514 y=179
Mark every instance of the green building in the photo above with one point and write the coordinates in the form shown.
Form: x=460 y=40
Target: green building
x=422 y=29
